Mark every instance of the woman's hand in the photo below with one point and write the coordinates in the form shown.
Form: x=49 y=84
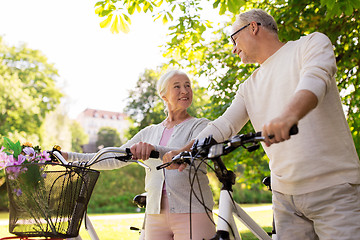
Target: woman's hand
x=141 y=150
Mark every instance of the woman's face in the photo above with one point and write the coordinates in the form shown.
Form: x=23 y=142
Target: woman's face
x=179 y=93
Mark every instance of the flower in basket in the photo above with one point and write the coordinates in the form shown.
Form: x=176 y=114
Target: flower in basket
x=15 y=157
x=16 y=154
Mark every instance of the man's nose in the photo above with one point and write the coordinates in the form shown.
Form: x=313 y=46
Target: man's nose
x=234 y=49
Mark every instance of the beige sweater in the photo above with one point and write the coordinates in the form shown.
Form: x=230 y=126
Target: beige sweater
x=323 y=153
x=177 y=183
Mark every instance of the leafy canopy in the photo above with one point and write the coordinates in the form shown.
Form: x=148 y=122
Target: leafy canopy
x=202 y=45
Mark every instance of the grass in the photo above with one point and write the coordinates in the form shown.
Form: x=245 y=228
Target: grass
x=109 y=227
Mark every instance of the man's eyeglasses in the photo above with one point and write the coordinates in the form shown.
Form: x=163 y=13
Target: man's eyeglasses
x=232 y=35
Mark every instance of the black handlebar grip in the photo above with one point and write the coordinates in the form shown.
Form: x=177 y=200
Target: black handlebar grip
x=294 y=130
x=154 y=154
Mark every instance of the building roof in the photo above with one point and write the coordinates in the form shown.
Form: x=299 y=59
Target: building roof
x=96 y=113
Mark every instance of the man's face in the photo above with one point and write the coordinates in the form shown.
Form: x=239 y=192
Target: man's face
x=242 y=41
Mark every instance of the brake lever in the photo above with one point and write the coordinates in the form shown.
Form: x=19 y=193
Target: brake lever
x=140 y=163
x=178 y=159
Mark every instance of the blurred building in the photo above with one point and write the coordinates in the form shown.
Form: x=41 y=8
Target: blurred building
x=93 y=119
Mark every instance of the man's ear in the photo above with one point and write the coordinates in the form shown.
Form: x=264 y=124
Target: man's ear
x=254 y=27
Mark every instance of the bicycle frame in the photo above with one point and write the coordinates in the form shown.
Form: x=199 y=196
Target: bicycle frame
x=228 y=207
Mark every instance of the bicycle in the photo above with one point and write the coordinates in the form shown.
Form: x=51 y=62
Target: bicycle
x=209 y=149
x=56 y=221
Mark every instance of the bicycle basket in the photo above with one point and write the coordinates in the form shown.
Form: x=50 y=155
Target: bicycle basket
x=48 y=200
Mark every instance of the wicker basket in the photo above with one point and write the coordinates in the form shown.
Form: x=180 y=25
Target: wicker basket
x=48 y=200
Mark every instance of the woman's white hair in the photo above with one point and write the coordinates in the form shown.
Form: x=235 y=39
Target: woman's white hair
x=163 y=82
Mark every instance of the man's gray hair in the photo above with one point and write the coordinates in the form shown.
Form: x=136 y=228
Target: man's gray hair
x=259 y=16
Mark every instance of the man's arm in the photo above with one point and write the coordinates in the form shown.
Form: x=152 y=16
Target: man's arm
x=301 y=104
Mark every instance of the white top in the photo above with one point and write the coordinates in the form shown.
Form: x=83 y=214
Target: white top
x=322 y=154
x=177 y=183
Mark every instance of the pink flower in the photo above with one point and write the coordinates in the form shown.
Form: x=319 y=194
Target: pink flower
x=21 y=159
x=43 y=157
x=3 y=158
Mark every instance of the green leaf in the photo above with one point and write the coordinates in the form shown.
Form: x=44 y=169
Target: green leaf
x=127 y=18
x=14 y=148
x=355 y=4
x=99 y=3
x=170 y=16
x=216 y=4
x=323 y=2
x=330 y=4
x=115 y=25
x=165 y=20
x=99 y=10
x=8 y=144
x=124 y=27
x=222 y=8
x=158 y=16
x=131 y=9
x=348 y=9
x=106 y=22
x=233 y=6
x=146 y=6
x=208 y=24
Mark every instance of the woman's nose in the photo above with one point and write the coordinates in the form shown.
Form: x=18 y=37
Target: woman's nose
x=184 y=90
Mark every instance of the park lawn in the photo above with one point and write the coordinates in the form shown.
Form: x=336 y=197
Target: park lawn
x=109 y=228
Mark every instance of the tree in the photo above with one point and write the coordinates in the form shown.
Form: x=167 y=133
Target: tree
x=117 y=12
x=108 y=137
x=211 y=58
x=28 y=92
x=78 y=136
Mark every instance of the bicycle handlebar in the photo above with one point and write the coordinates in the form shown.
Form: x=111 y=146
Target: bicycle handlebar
x=209 y=148
x=125 y=156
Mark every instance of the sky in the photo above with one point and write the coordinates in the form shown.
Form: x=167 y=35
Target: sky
x=96 y=68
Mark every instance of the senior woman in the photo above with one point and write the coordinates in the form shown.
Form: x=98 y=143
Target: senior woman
x=168 y=191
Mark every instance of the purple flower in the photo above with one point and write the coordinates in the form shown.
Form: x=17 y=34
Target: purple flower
x=30 y=153
x=18 y=192
x=13 y=172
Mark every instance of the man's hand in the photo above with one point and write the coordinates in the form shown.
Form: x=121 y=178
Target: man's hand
x=277 y=130
x=168 y=158
x=169 y=155
x=141 y=150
